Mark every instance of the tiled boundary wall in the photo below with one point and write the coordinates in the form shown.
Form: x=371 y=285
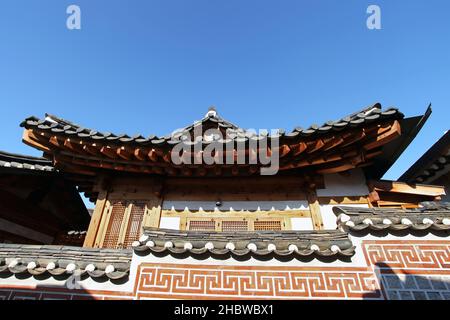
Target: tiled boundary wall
x=408 y=269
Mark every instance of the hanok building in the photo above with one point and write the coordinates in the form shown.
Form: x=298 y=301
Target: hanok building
x=34 y=203
x=170 y=223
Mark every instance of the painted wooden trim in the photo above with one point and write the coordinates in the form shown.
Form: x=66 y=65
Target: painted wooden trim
x=96 y=218
x=124 y=225
x=238 y=214
x=316 y=214
x=401 y=187
x=153 y=215
x=343 y=200
x=103 y=225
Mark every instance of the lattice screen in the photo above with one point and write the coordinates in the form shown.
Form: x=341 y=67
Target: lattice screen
x=234 y=225
x=202 y=225
x=134 y=224
x=115 y=222
x=262 y=225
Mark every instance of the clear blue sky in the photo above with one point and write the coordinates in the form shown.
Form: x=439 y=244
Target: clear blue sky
x=155 y=65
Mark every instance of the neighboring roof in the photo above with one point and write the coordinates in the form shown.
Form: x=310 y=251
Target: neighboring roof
x=431 y=216
x=259 y=243
x=36 y=175
x=64 y=260
x=18 y=161
x=433 y=164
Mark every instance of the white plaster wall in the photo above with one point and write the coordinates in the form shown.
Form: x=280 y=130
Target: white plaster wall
x=170 y=223
x=302 y=224
x=329 y=218
x=339 y=185
x=236 y=205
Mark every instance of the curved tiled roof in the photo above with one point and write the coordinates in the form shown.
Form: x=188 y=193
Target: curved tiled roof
x=64 y=260
x=259 y=243
x=432 y=216
x=55 y=125
x=18 y=161
x=433 y=164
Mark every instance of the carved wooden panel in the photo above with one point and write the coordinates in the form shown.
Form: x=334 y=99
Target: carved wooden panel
x=114 y=225
x=133 y=230
x=262 y=225
x=234 y=225
x=202 y=225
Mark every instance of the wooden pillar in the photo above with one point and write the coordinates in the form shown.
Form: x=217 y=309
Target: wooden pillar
x=153 y=213
x=314 y=208
x=96 y=217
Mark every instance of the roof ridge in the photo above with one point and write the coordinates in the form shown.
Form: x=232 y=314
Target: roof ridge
x=22 y=157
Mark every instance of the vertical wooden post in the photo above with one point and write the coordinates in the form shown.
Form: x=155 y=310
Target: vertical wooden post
x=95 y=219
x=124 y=225
x=100 y=238
x=183 y=222
x=314 y=208
x=153 y=212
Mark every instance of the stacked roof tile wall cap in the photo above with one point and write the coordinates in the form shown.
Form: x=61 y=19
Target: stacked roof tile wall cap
x=18 y=161
x=60 y=126
x=64 y=261
x=430 y=216
x=282 y=243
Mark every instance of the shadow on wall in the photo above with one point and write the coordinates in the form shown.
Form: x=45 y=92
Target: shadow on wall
x=400 y=285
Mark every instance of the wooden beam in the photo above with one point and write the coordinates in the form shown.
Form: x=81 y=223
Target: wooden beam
x=401 y=187
x=284 y=150
x=381 y=139
x=140 y=154
x=96 y=217
x=31 y=139
x=353 y=138
x=152 y=215
x=298 y=148
x=314 y=208
x=152 y=155
x=91 y=149
x=314 y=145
x=109 y=152
x=124 y=153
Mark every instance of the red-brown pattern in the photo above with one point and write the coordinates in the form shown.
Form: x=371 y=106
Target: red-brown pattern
x=415 y=257
x=186 y=281
x=220 y=282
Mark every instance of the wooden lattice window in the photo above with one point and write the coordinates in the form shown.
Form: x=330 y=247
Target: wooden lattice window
x=262 y=225
x=234 y=225
x=114 y=225
x=202 y=225
x=133 y=230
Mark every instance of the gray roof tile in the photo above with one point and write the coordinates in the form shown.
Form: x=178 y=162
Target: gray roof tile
x=15 y=258
x=304 y=243
x=431 y=216
x=58 y=125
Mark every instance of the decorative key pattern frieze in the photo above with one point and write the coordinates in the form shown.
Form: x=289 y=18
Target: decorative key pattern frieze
x=215 y=282
x=426 y=257
x=409 y=270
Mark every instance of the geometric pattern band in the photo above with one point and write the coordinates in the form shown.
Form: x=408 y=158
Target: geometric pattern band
x=387 y=262
x=222 y=282
x=422 y=257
